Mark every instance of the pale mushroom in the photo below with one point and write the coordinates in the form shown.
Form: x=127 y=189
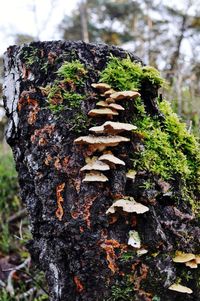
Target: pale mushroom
x=134 y=239
x=192 y=264
x=102 y=111
x=131 y=174
x=115 y=106
x=109 y=92
x=111 y=159
x=95 y=177
x=141 y=252
x=112 y=127
x=180 y=288
x=197 y=259
x=102 y=87
x=102 y=103
x=101 y=142
x=182 y=257
x=95 y=164
x=124 y=95
x=127 y=205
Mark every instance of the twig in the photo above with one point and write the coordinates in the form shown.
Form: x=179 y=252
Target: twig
x=20 y=214
x=9 y=287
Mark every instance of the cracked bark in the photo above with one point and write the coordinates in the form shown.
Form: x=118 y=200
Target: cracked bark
x=81 y=253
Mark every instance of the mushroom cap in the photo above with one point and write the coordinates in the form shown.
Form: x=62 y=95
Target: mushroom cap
x=112 y=127
x=95 y=176
x=102 y=87
x=95 y=164
x=192 y=264
x=127 y=205
x=134 y=239
x=101 y=140
x=180 y=288
x=111 y=158
x=102 y=103
x=109 y=92
x=182 y=257
x=115 y=106
x=102 y=111
x=141 y=252
x=197 y=259
x=124 y=95
x=131 y=174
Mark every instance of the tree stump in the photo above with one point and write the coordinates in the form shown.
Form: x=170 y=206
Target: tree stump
x=110 y=178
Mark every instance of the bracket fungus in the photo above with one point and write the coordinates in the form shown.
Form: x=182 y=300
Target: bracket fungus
x=101 y=142
x=183 y=257
x=189 y=259
x=124 y=95
x=134 y=239
x=95 y=177
x=131 y=174
x=127 y=205
x=116 y=106
x=109 y=92
x=180 y=288
x=102 y=111
x=95 y=164
x=102 y=87
x=112 y=127
x=110 y=158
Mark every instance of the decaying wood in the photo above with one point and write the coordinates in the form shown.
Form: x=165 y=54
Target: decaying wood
x=75 y=242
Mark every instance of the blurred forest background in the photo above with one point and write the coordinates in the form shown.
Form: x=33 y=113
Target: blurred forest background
x=165 y=35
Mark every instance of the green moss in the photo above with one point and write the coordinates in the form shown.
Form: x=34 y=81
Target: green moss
x=169 y=151
x=122 y=290
x=72 y=71
x=31 y=56
x=127 y=75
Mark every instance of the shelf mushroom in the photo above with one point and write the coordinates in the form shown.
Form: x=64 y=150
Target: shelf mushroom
x=189 y=259
x=110 y=158
x=102 y=87
x=180 y=288
x=112 y=127
x=102 y=111
x=124 y=95
x=127 y=205
x=95 y=176
x=95 y=164
x=100 y=142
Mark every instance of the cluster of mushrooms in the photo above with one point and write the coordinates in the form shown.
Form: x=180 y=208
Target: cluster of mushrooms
x=106 y=135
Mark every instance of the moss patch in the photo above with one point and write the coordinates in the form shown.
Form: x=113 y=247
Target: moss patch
x=169 y=151
x=127 y=75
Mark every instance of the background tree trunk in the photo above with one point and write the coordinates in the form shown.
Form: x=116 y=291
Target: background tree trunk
x=81 y=247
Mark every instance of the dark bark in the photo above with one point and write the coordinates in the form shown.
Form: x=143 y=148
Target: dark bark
x=81 y=252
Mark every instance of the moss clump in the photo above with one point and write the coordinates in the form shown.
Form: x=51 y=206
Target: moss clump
x=61 y=95
x=169 y=151
x=31 y=56
x=122 y=290
x=127 y=75
x=72 y=72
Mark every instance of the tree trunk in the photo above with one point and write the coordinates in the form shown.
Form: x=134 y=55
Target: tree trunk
x=83 y=250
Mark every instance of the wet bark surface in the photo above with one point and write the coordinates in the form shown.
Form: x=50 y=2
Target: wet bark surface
x=84 y=251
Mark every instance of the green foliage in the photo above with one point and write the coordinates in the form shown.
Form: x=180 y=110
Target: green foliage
x=73 y=99
x=122 y=74
x=170 y=151
x=122 y=290
x=31 y=56
x=61 y=95
x=5 y=296
x=8 y=181
x=127 y=75
x=72 y=71
x=152 y=75
x=156 y=298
